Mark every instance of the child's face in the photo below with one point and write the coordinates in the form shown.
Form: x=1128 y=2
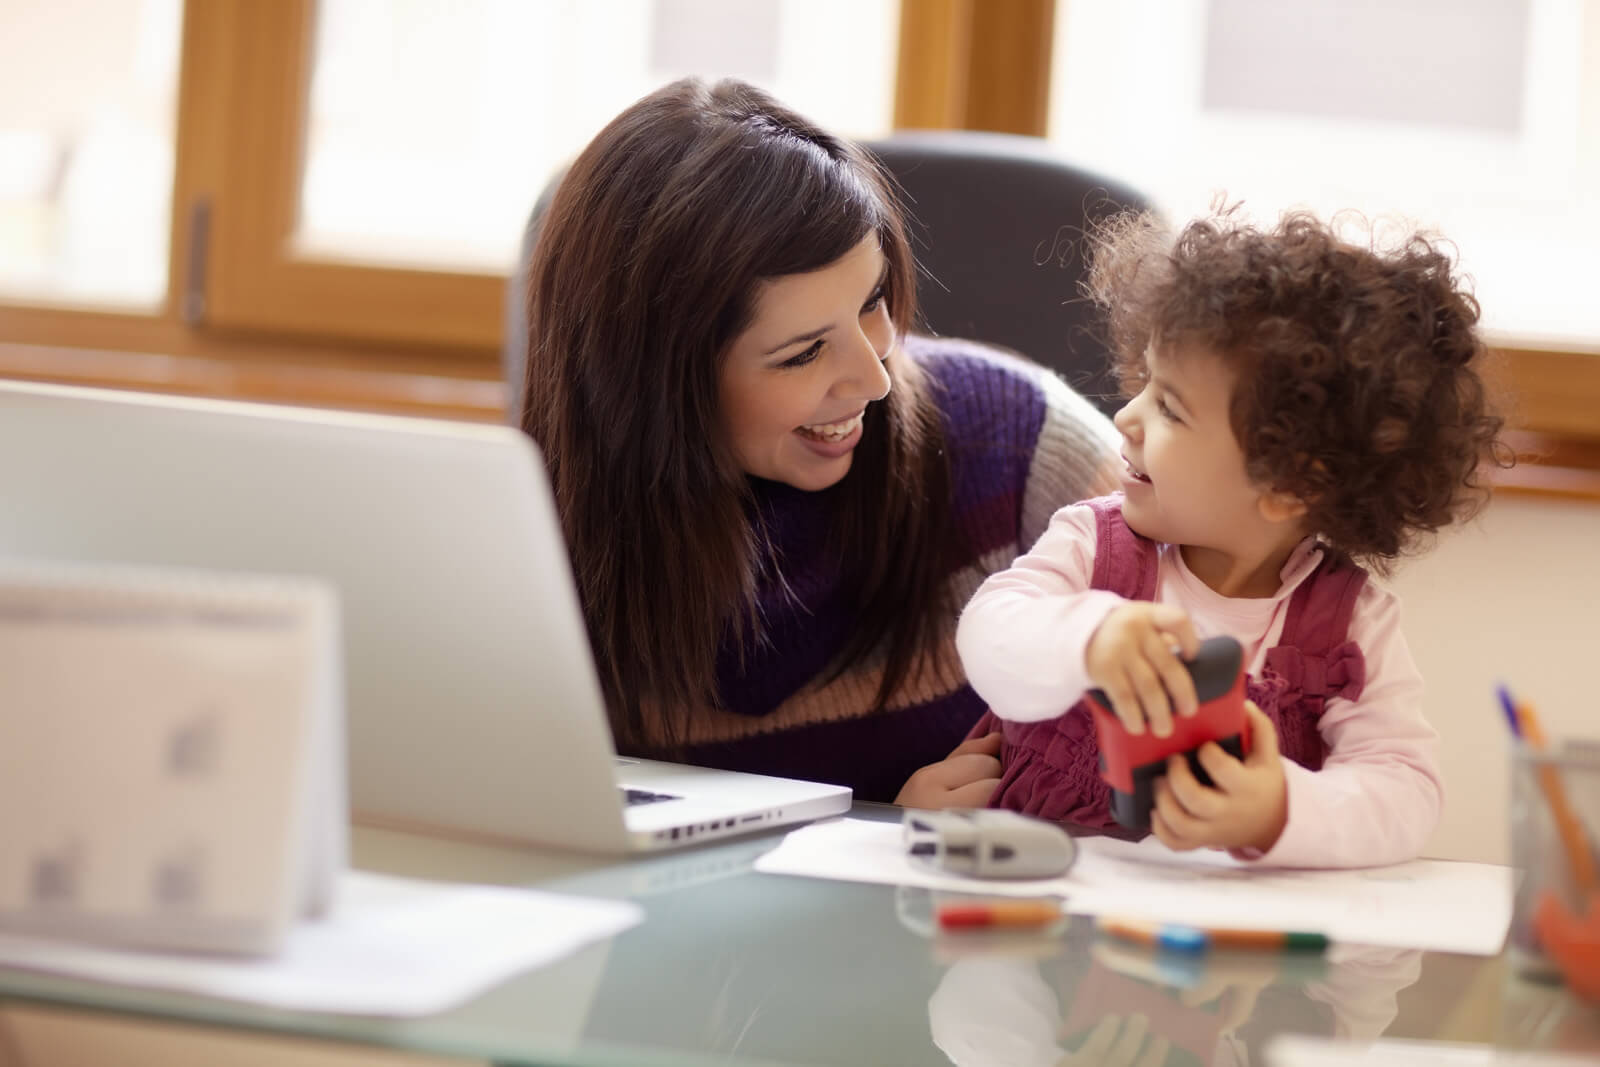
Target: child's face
x=1185 y=479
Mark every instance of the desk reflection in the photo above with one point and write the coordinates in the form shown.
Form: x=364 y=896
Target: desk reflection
x=797 y=970
x=33 y=1035
x=1082 y=1001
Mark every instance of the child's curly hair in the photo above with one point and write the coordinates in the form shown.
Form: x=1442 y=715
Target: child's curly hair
x=1358 y=370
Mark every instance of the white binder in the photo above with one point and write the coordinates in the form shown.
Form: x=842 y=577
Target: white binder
x=171 y=755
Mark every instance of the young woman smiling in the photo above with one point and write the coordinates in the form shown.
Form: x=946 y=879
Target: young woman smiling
x=776 y=498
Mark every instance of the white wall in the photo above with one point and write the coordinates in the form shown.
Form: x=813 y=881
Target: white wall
x=1513 y=597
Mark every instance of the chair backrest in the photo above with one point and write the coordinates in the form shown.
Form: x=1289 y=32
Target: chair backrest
x=999 y=225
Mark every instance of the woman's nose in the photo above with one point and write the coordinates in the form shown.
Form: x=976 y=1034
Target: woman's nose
x=865 y=377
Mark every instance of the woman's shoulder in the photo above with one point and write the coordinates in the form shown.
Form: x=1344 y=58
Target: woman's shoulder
x=992 y=384
x=993 y=404
x=1014 y=431
x=971 y=370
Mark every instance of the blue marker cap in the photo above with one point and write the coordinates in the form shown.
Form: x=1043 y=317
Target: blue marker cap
x=1182 y=939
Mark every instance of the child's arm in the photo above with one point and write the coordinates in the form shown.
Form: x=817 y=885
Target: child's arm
x=1378 y=795
x=1362 y=986
x=1022 y=636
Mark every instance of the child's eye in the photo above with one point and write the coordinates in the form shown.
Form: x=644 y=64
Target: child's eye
x=804 y=357
x=1166 y=412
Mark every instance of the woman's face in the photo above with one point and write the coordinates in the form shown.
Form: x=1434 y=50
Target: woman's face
x=795 y=383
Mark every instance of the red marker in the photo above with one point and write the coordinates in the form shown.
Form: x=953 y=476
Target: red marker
x=996 y=913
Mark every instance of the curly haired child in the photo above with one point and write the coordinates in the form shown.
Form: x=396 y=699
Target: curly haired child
x=1303 y=410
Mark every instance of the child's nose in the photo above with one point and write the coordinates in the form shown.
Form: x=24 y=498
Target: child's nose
x=1126 y=419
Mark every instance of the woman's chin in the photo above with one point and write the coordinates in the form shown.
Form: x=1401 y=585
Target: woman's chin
x=815 y=474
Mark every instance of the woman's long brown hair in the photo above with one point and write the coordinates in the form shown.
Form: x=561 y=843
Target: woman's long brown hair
x=645 y=271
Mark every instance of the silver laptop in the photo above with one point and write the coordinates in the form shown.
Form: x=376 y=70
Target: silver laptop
x=473 y=703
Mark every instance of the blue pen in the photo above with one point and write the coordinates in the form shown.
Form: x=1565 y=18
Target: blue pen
x=1509 y=706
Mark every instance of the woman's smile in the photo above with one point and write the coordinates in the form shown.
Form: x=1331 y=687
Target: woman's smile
x=832 y=439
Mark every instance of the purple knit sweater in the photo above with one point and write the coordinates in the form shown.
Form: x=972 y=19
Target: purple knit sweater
x=1021 y=445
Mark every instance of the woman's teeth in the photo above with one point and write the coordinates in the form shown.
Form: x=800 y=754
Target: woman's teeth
x=833 y=431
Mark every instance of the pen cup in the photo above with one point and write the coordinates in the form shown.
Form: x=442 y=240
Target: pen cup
x=1555 y=827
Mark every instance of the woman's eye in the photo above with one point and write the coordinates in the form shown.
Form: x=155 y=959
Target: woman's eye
x=805 y=357
x=872 y=305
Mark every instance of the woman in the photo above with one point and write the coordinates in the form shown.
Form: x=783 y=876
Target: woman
x=775 y=500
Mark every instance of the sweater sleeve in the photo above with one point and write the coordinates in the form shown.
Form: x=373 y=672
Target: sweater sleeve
x=1379 y=792
x=1022 y=636
x=1076 y=457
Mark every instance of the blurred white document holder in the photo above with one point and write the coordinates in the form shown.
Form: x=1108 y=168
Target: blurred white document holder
x=171 y=756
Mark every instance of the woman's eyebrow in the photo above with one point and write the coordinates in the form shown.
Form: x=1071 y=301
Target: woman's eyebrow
x=810 y=335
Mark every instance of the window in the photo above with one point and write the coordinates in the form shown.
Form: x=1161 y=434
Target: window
x=429 y=130
x=316 y=200
x=432 y=127
x=87 y=125
x=1477 y=118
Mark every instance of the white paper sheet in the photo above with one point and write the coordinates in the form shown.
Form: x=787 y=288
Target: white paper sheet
x=1428 y=904
x=393 y=947
x=1294 y=1050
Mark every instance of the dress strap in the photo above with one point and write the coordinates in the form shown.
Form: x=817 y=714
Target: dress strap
x=1125 y=563
x=1314 y=657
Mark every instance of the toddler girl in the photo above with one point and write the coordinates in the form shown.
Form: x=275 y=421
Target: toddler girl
x=1303 y=410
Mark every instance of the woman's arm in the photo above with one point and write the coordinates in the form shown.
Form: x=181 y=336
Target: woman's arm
x=964 y=779
x=1072 y=455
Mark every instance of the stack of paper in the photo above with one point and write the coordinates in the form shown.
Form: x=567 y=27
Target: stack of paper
x=1426 y=904
x=1295 y=1050
x=391 y=947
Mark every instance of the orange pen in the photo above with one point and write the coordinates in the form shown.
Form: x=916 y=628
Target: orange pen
x=1567 y=825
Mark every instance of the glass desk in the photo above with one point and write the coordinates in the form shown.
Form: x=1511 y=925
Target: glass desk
x=735 y=967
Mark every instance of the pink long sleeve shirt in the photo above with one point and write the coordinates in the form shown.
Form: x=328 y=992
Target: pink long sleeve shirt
x=1377 y=797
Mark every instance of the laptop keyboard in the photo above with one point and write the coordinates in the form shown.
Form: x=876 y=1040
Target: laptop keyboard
x=630 y=797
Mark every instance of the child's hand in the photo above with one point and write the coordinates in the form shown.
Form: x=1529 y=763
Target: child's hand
x=1246 y=809
x=1118 y=1041
x=1131 y=656
x=1234 y=983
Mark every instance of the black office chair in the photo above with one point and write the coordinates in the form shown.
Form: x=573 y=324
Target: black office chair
x=999 y=227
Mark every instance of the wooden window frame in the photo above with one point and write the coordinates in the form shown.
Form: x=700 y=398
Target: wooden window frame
x=209 y=336
x=257 y=279
x=252 y=319
x=960 y=71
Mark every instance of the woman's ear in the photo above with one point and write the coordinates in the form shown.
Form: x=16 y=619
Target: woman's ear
x=1277 y=506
